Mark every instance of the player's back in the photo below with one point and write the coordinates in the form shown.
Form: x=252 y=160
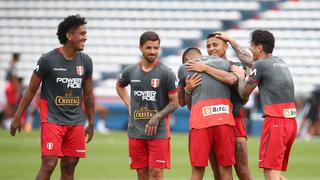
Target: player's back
x=211 y=100
x=211 y=88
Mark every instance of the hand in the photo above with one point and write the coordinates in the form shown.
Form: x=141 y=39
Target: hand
x=223 y=36
x=238 y=71
x=192 y=82
x=15 y=124
x=196 y=66
x=89 y=132
x=151 y=126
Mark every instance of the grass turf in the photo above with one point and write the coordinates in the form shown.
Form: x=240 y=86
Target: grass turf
x=107 y=158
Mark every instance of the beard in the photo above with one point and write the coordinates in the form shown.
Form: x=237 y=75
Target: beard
x=150 y=58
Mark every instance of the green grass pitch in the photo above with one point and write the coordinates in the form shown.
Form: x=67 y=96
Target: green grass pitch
x=107 y=158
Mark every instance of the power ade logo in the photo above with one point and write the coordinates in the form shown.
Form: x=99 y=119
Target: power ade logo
x=289 y=113
x=146 y=95
x=215 y=109
x=71 y=82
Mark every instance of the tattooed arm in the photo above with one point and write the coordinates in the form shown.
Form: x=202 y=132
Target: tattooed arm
x=244 y=56
x=151 y=126
x=89 y=105
x=245 y=88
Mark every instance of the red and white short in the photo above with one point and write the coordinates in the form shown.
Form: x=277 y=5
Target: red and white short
x=220 y=137
x=277 y=137
x=240 y=128
x=149 y=153
x=62 y=140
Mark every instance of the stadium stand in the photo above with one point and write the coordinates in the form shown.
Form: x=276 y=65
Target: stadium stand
x=114 y=27
x=28 y=27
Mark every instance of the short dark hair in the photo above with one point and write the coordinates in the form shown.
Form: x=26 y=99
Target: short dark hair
x=16 y=56
x=265 y=38
x=148 y=36
x=191 y=50
x=70 y=23
x=211 y=35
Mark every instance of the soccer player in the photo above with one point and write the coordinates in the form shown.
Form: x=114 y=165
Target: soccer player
x=217 y=45
x=272 y=76
x=153 y=97
x=211 y=121
x=65 y=74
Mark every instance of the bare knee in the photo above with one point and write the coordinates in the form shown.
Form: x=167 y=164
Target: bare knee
x=68 y=164
x=156 y=173
x=197 y=173
x=143 y=173
x=49 y=163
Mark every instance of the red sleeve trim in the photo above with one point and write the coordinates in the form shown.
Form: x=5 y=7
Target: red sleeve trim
x=172 y=92
x=253 y=80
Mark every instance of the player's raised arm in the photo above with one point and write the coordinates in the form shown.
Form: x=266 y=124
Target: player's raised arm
x=25 y=101
x=245 y=88
x=244 y=56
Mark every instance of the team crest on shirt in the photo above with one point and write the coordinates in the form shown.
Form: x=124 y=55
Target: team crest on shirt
x=50 y=145
x=155 y=83
x=80 y=70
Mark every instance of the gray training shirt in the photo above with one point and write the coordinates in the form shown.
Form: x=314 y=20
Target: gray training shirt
x=149 y=95
x=61 y=89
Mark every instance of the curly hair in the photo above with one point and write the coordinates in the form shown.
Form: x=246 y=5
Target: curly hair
x=265 y=38
x=70 y=23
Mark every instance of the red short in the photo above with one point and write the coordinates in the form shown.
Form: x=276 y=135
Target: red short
x=278 y=135
x=62 y=140
x=221 y=138
x=240 y=128
x=149 y=153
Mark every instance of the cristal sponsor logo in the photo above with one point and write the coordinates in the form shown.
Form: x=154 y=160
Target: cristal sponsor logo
x=71 y=82
x=136 y=80
x=67 y=101
x=146 y=95
x=59 y=69
x=144 y=113
x=289 y=113
x=50 y=145
x=160 y=161
x=215 y=109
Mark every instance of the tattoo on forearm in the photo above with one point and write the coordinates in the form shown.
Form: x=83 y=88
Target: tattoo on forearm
x=170 y=107
x=244 y=56
x=245 y=88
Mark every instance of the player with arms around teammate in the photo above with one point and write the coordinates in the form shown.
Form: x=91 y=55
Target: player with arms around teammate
x=65 y=74
x=272 y=76
x=211 y=121
x=217 y=46
x=153 y=97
